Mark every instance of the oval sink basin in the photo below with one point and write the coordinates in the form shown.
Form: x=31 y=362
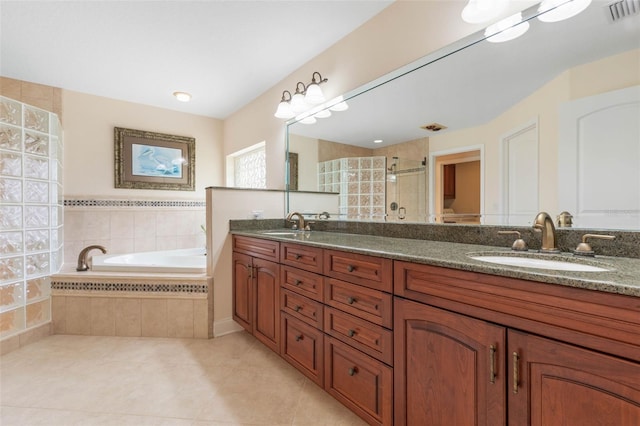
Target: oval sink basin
x=281 y=233
x=528 y=262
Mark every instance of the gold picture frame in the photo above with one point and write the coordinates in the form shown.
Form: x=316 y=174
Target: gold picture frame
x=149 y=160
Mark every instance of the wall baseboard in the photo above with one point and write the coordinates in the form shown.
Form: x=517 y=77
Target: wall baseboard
x=225 y=326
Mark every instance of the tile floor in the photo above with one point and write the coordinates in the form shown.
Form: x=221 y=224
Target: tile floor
x=230 y=380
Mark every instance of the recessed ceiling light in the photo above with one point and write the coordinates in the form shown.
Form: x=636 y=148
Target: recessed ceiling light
x=377 y=141
x=182 y=96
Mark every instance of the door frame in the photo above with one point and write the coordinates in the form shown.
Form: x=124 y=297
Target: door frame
x=467 y=154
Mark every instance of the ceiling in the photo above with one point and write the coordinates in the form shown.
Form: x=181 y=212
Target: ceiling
x=225 y=53
x=478 y=83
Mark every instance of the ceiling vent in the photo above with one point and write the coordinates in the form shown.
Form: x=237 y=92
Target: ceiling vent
x=434 y=127
x=623 y=8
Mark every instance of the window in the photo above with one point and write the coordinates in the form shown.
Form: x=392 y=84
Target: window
x=247 y=168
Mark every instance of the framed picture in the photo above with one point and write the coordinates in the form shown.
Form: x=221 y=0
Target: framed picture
x=148 y=160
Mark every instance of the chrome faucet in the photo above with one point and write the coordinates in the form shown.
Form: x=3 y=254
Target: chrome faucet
x=83 y=256
x=544 y=223
x=300 y=224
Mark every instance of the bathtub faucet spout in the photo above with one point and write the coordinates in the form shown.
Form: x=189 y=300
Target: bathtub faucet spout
x=82 y=257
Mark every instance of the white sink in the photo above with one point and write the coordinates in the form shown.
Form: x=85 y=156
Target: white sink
x=530 y=262
x=281 y=233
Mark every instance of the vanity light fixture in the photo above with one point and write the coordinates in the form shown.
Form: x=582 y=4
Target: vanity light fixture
x=506 y=29
x=308 y=102
x=284 y=107
x=479 y=11
x=182 y=96
x=558 y=10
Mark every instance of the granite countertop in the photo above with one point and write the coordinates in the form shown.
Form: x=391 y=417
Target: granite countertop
x=622 y=275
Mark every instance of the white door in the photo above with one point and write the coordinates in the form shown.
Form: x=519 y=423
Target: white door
x=520 y=175
x=599 y=153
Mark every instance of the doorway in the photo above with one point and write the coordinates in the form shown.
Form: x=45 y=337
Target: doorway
x=456 y=185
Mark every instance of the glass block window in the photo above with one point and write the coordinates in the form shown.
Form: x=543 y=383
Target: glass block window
x=30 y=190
x=249 y=167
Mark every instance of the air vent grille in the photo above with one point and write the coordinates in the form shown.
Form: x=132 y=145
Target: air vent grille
x=623 y=8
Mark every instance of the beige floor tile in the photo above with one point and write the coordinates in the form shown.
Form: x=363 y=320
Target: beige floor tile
x=90 y=380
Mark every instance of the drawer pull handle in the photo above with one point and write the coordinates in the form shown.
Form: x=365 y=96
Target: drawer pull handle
x=516 y=372
x=351 y=333
x=351 y=268
x=351 y=300
x=297 y=308
x=353 y=371
x=298 y=338
x=297 y=256
x=297 y=282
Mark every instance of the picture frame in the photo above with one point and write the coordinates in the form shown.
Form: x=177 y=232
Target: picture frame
x=150 y=160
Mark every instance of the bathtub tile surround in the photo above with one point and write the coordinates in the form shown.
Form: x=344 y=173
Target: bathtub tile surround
x=127 y=226
x=151 y=381
x=31 y=222
x=144 y=305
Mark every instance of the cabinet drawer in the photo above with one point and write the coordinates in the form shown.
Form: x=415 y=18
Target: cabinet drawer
x=302 y=308
x=303 y=257
x=372 y=305
x=303 y=282
x=302 y=346
x=369 y=271
x=371 y=339
x=256 y=247
x=358 y=381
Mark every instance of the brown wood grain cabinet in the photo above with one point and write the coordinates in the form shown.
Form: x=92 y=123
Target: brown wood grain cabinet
x=411 y=344
x=572 y=356
x=256 y=289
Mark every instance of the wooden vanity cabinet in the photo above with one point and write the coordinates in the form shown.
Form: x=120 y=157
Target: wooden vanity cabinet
x=450 y=352
x=256 y=288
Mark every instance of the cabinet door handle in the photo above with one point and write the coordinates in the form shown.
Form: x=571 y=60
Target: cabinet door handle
x=351 y=333
x=516 y=372
x=351 y=268
x=298 y=338
x=352 y=371
x=250 y=269
x=492 y=363
x=297 y=308
x=297 y=256
x=351 y=300
x=297 y=282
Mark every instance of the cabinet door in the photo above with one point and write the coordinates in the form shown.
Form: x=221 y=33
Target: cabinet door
x=242 y=290
x=266 y=291
x=303 y=346
x=553 y=383
x=448 y=368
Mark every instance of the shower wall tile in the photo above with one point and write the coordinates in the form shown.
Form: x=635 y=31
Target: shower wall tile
x=12 y=322
x=10 y=111
x=11 y=268
x=38 y=313
x=10 y=190
x=10 y=164
x=38 y=288
x=11 y=296
x=10 y=137
x=36 y=168
x=35 y=119
x=11 y=243
x=36 y=143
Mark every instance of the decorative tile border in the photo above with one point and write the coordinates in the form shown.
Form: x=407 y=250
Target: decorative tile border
x=131 y=203
x=131 y=287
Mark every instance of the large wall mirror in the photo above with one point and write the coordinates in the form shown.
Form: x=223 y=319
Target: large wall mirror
x=488 y=133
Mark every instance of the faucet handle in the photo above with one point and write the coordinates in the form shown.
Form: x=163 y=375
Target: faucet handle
x=519 y=244
x=584 y=248
x=308 y=225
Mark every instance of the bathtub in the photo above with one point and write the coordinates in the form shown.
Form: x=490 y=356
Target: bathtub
x=170 y=261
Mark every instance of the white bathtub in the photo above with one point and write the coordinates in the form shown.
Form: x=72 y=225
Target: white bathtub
x=169 y=261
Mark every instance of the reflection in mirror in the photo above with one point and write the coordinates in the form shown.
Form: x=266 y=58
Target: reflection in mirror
x=490 y=134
